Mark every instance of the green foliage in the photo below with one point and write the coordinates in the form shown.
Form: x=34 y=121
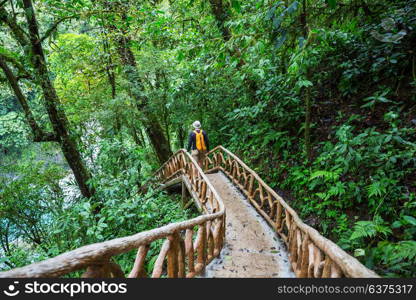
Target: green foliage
x=120 y=217
x=31 y=198
x=13 y=131
x=377 y=98
x=388 y=256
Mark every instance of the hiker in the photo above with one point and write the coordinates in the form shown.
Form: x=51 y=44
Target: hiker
x=198 y=142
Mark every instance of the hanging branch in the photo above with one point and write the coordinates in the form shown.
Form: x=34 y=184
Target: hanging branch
x=54 y=27
x=17 y=31
x=22 y=71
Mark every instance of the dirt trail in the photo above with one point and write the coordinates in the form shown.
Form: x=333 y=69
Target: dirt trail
x=252 y=248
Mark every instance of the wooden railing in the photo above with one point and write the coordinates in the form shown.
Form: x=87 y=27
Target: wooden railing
x=187 y=248
x=310 y=254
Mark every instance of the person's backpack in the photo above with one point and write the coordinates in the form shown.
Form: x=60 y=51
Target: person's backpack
x=200 y=142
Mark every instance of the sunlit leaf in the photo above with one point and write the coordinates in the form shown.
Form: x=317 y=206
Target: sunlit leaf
x=332 y=3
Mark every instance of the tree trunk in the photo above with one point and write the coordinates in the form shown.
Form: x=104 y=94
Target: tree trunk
x=38 y=134
x=136 y=136
x=220 y=14
x=109 y=68
x=52 y=103
x=308 y=105
x=303 y=20
x=181 y=137
x=308 y=122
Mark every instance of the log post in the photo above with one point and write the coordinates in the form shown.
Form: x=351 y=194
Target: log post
x=210 y=242
x=201 y=246
x=335 y=271
x=97 y=271
x=203 y=192
x=173 y=256
x=217 y=238
x=115 y=270
x=304 y=265
x=181 y=258
x=278 y=216
x=318 y=263
x=184 y=194
x=250 y=186
x=326 y=272
x=311 y=252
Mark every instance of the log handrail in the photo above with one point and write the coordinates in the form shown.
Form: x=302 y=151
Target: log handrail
x=177 y=255
x=186 y=251
x=310 y=254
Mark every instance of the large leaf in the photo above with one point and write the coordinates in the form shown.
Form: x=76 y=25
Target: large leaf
x=293 y=7
x=332 y=3
x=411 y=220
x=304 y=83
x=389 y=37
x=388 y=24
x=236 y=5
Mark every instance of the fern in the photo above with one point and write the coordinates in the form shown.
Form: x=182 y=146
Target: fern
x=407 y=250
x=338 y=189
x=399 y=256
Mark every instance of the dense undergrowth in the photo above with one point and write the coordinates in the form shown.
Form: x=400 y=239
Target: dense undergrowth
x=41 y=219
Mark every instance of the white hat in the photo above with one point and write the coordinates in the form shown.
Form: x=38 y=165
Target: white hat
x=196 y=124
